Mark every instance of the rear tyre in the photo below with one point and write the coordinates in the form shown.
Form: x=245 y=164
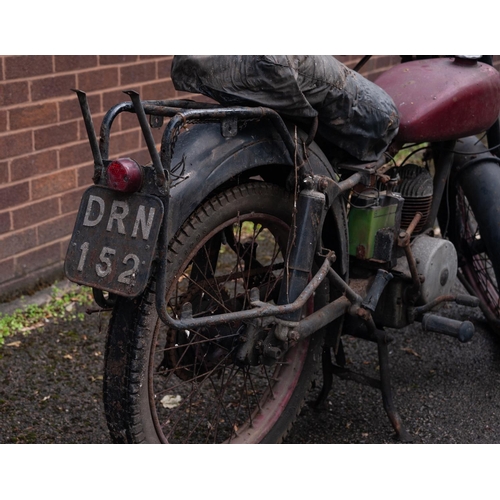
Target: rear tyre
x=168 y=386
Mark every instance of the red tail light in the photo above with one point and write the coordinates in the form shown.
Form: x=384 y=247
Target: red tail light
x=124 y=175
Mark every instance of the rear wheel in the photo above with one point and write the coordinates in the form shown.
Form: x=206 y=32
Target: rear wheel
x=186 y=386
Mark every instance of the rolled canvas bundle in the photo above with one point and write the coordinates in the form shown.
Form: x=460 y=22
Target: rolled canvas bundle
x=354 y=114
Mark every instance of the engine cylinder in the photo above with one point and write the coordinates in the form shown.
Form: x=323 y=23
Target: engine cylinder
x=416 y=188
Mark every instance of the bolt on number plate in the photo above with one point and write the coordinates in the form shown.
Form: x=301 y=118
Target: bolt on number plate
x=114 y=241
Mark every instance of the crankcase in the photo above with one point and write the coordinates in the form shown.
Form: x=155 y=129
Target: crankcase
x=437 y=263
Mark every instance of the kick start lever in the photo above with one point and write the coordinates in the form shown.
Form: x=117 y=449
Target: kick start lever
x=462 y=330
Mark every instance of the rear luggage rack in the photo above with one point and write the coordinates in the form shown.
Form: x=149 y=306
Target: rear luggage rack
x=181 y=112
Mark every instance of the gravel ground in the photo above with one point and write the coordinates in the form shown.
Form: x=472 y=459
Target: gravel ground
x=446 y=392
x=51 y=383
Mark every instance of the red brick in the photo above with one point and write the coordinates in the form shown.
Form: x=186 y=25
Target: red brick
x=128 y=121
x=15 y=243
x=26 y=66
x=38 y=258
x=4 y=222
x=75 y=154
x=7 y=270
x=159 y=90
x=2 y=76
x=137 y=73
x=57 y=134
x=63 y=249
x=110 y=99
x=72 y=63
x=15 y=144
x=13 y=93
x=35 y=212
x=55 y=86
x=141 y=156
x=33 y=116
x=192 y=96
x=13 y=195
x=4 y=172
x=70 y=109
x=99 y=79
x=70 y=202
x=53 y=184
x=157 y=135
x=164 y=67
x=123 y=142
x=63 y=244
x=105 y=60
x=32 y=165
x=3 y=121
x=56 y=228
x=84 y=175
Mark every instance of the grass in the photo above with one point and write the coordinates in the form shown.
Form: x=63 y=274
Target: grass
x=61 y=307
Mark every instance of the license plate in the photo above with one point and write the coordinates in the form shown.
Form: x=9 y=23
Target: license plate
x=114 y=241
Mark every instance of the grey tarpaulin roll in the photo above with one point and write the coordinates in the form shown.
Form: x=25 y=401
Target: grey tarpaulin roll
x=354 y=114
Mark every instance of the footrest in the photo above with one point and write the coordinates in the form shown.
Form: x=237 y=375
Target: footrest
x=462 y=330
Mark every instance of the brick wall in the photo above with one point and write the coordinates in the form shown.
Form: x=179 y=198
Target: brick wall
x=45 y=158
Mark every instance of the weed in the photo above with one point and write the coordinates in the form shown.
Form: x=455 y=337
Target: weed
x=60 y=307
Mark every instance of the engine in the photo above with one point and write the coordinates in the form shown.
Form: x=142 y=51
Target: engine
x=375 y=221
x=436 y=258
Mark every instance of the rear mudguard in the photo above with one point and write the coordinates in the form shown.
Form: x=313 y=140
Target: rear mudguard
x=204 y=161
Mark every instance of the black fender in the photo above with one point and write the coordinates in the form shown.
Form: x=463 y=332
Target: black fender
x=477 y=171
x=204 y=160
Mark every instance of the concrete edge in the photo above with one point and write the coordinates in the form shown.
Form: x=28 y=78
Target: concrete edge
x=39 y=298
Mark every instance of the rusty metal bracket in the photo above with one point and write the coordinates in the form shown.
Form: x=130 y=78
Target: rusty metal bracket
x=332 y=188
x=262 y=310
x=233 y=114
x=162 y=177
x=229 y=126
x=404 y=242
x=89 y=126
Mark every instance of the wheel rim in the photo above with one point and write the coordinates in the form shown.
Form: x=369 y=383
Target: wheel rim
x=197 y=391
x=477 y=267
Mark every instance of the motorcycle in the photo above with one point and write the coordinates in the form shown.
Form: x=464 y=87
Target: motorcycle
x=237 y=261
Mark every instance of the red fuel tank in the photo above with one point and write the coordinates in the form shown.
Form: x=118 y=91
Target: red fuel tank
x=443 y=99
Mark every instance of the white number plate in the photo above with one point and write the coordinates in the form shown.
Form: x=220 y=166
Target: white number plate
x=114 y=241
